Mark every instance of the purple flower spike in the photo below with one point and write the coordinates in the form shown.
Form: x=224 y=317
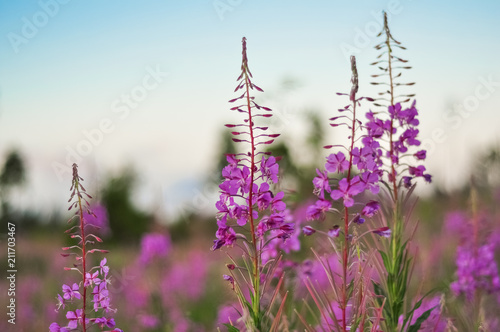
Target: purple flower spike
x=91 y=276
x=383 y=231
x=149 y=321
x=154 y=245
x=380 y=130
x=476 y=271
x=247 y=187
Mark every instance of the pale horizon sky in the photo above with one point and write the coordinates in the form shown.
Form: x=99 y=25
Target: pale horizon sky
x=66 y=68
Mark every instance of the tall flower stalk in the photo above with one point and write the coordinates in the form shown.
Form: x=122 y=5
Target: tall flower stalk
x=246 y=193
x=93 y=287
x=360 y=174
x=397 y=126
x=477 y=284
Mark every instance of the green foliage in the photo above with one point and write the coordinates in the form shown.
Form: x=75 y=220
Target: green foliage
x=125 y=220
x=13 y=171
x=231 y=328
x=415 y=327
x=12 y=175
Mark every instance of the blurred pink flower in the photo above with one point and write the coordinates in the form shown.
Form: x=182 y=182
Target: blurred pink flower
x=154 y=245
x=228 y=314
x=149 y=321
x=186 y=279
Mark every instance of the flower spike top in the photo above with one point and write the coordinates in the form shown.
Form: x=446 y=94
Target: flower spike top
x=245 y=190
x=93 y=286
x=348 y=174
x=354 y=79
x=360 y=160
x=250 y=214
x=392 y=67
x=384 y=125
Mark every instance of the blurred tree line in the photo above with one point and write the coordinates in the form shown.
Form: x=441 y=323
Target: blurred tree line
x=128 y=222
x=13 y=174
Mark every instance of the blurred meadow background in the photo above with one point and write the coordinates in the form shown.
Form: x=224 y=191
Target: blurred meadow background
x=136 y=93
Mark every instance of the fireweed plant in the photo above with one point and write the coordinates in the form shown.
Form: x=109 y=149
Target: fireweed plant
x=88 y=300
x=348 y=174
x=245 y=195
x=393 y=129
x=477 y=283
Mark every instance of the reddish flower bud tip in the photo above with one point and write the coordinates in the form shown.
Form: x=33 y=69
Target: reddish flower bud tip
x=256 y=87
x=383 y=231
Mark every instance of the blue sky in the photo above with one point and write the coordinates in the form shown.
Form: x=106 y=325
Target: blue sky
x=66 y=67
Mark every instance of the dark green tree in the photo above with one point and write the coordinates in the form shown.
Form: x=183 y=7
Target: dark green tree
x=13 y=174
x=126 y=221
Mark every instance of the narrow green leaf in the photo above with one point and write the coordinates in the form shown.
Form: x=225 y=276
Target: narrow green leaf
x=378 y=289
x=385 y=259
x=417 y=305
x=231 y=328
x=415 y=327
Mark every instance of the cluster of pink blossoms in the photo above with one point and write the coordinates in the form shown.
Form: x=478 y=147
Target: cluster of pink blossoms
x=234 y=202
x=98 y=281
x=366 y=164
x=399 y=118
x=95 y=280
